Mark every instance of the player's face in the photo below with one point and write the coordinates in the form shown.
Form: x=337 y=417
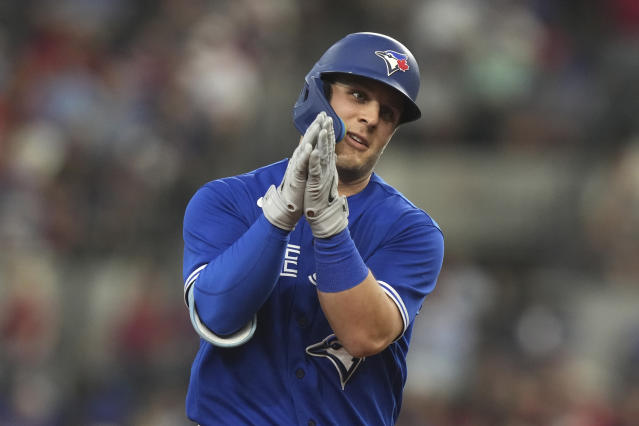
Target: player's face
x=371 y=112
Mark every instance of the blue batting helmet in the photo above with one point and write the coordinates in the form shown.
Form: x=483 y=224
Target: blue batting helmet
x=370 y=55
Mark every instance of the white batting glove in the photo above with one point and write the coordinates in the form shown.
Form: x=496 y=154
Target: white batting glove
x=325 y=210
x=283 y=206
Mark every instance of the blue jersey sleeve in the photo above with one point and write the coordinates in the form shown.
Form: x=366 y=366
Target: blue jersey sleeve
x=232 y=259
x=408 y=264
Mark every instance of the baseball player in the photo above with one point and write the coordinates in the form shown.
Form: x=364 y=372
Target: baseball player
x=303 y=278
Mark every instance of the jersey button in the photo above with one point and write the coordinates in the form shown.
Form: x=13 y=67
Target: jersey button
x=311 y=422
x=302 y=321
x=299 y=373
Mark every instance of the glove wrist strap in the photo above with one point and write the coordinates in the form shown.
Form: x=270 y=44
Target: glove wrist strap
x=330 y=221
x=275 y=210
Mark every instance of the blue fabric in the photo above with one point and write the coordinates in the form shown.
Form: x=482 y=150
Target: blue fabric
x=284 y=373
x=227 y=341
x=339 y=265
x=237 y=280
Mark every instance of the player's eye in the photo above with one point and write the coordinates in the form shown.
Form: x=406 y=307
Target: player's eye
x=387 y=114
x=358 y=95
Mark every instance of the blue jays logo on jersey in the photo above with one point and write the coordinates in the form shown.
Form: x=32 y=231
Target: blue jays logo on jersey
x=395 y=61
x=331 y=348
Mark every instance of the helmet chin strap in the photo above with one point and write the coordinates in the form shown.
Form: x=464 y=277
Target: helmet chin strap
x=316 y=102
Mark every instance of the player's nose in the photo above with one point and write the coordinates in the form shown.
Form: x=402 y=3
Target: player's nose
x=369 y=113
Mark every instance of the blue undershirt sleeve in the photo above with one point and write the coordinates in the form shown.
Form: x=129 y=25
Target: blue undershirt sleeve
x=231 y=288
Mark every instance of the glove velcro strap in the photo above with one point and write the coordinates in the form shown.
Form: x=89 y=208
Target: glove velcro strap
x=277 y=211
x=339 y=264
x=331 y=220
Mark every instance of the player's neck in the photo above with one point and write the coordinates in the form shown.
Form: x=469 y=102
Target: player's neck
x=351 y=188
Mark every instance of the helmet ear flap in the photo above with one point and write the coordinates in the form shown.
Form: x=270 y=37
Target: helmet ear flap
x=303 y=94
x=312 y=99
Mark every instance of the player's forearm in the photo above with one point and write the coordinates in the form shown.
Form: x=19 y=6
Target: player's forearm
x=234 y=285
x=364 y=318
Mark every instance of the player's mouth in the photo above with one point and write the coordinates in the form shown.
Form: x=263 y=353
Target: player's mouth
x=356 y=141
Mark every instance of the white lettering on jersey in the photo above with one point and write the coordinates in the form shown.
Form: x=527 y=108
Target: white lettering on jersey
x=291 y=256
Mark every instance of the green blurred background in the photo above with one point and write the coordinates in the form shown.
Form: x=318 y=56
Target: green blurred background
x=112 y=114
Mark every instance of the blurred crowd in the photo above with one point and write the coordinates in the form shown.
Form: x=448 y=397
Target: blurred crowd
x=112 y=114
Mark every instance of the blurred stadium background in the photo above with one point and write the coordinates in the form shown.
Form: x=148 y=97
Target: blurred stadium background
x=112 y=113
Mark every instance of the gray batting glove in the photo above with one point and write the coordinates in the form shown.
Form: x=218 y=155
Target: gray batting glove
x=283 y=206
x=325 y=210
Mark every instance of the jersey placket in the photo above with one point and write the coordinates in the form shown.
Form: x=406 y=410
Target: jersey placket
x=300 y=372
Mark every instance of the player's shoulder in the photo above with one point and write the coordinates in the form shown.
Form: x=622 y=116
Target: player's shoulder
x=236 y=193
x=395 y=204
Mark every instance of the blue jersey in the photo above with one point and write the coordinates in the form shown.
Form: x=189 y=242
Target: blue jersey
x=293 y=369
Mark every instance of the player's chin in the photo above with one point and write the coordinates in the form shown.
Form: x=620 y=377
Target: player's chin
x=356 y=161
x=347 y=162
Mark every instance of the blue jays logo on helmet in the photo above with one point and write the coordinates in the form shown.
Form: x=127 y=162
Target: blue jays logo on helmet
x=395 y=61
